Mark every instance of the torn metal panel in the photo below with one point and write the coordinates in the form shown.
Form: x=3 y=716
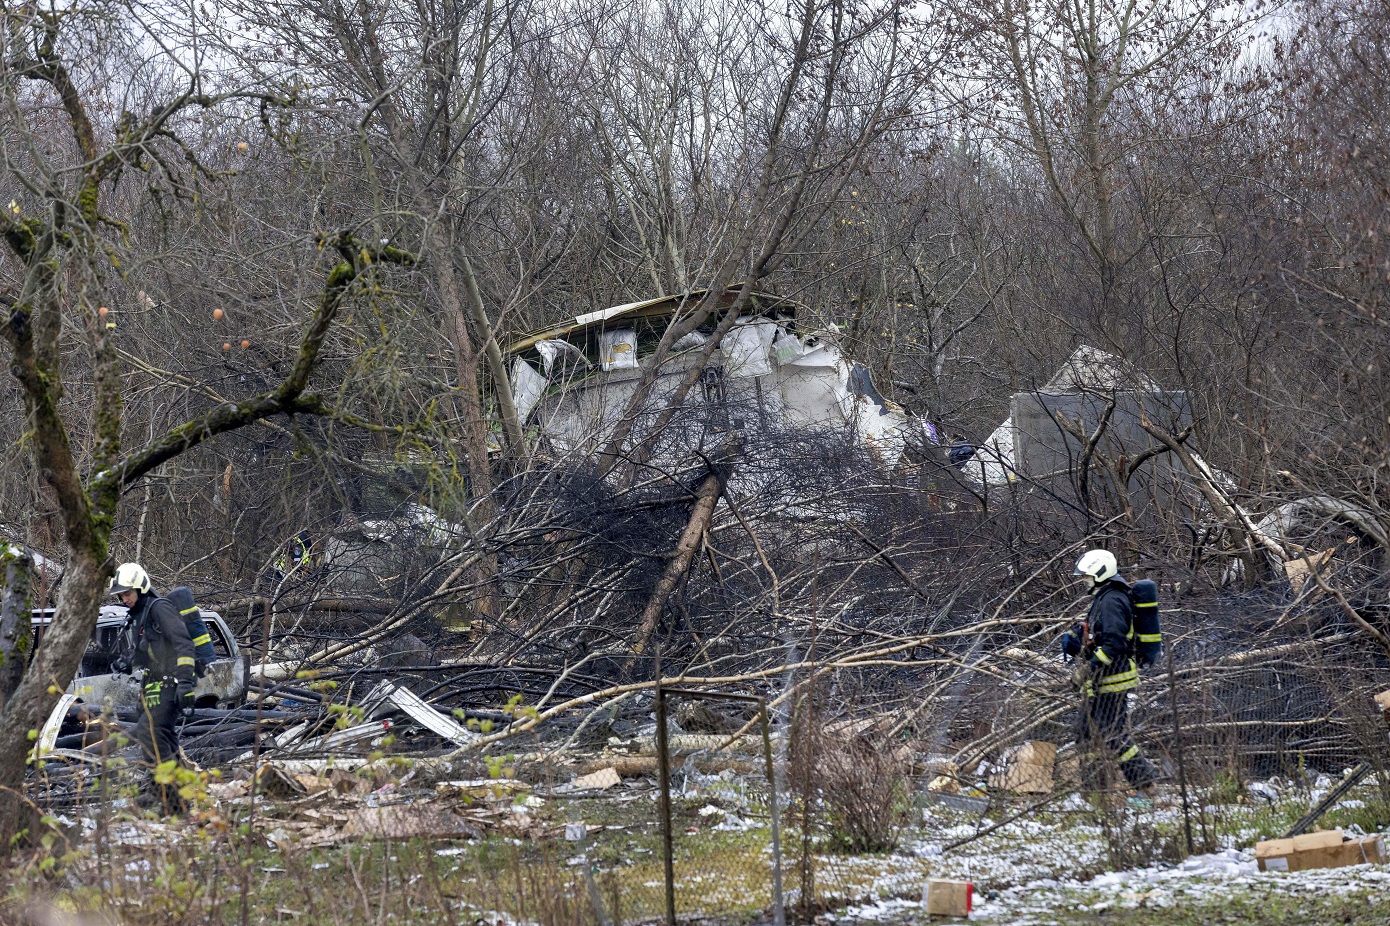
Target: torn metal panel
x=660 y=309
x=288 y=738
x=48 y=734
x=389 y=695
x=337 y=740
x=76 y=755
x=564 y=353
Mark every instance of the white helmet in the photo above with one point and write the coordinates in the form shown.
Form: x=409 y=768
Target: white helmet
x=1100 y=565
x=130 y=577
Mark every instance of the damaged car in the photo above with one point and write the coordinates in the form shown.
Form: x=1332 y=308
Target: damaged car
x=99 y=686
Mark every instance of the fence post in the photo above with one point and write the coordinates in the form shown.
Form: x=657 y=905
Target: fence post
x=663 y=766
x=779 y=913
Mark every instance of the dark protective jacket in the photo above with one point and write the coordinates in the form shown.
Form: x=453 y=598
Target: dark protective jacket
x=159 y=641
x=1110 y=632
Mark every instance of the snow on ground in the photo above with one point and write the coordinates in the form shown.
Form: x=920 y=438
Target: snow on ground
x=1209 y=878
x=1025 y=851
x=1203 y=878
x=1037 y=872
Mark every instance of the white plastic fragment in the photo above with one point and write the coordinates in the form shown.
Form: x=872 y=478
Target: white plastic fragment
x=527 y=387
x=747 y=348
x=554 y=349
x=618 y=349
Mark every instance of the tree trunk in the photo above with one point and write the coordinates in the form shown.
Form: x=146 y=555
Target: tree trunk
x=65 y=640
x=706 y=498
x=16 y=636
x=484 y=510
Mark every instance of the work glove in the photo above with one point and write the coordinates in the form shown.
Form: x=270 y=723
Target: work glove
x=1080 y=676
x=184 y=696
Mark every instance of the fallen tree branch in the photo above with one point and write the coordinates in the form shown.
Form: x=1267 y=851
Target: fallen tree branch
x=1352 y=614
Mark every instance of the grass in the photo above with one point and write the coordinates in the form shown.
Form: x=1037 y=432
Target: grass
x=722 y=875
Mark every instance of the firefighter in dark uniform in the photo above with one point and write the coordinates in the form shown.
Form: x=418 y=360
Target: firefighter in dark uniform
x=162 y=651
x=1105 y=640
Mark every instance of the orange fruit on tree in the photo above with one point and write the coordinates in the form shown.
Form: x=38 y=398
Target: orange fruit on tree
x=217 y=314
x=245 y=344
x=226 y=345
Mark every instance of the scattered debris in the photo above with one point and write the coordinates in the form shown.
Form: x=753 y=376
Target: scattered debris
x=1027 y=769
x=388 y=695
x=276 y=782
x=1323 y=849
x=947 y=898
x=1298 y=571
x=229 y=790
x=482 y=788
x=406 y=821
x=314 y=784
x=968 y=802
x=944 y=784
x=625 y=766
x=1351 y=780
x=684 y=744
x=701 y=717
x=601 y=780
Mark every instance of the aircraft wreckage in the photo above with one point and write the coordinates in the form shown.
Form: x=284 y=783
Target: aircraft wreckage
x=575 y=380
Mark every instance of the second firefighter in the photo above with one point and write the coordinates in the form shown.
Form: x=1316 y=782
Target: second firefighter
x=1105 y=640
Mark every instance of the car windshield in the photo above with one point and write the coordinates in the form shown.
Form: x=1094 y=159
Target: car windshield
x=102 y=651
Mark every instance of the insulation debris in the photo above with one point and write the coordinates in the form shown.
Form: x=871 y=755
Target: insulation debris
x=601 y=780
x=1027 y=769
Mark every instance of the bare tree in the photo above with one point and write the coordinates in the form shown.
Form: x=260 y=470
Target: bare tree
x=1082 y=88
x=62 y=312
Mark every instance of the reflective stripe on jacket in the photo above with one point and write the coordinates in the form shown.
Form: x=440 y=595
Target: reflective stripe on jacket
x=1115 y=683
